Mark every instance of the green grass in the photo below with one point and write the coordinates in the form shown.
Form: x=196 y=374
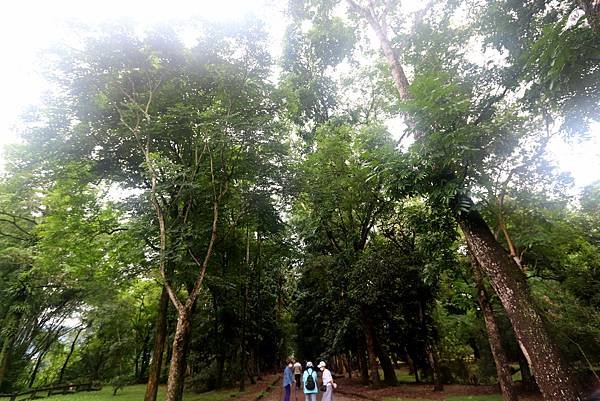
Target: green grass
x=403 y=376
x=136 y=393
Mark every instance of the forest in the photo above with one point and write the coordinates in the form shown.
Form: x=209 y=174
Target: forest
x=378 y=196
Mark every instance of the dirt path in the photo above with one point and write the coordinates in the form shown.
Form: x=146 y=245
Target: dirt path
x=423 y=391
x=349 y=390
x=276 y=394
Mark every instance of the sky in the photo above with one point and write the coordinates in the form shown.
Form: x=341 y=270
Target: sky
x=29 y=27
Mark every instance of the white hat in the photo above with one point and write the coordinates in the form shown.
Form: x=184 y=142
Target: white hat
x=309 y=364
x=321 y=364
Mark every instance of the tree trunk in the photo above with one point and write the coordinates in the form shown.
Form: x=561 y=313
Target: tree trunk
x=244 y=313
x=145 y=358
x=412 y=367
x=160 y=337
x=258 y=308
x=370 y=339
x=363 y=365
x=552 y=374
x=380 y=28
x=389 y=374
x=179 y=349
x=432 y=357
x=64 y=366
x=504 y=375
x=347 y=365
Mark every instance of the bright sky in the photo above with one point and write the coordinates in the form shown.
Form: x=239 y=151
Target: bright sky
x=28 y=27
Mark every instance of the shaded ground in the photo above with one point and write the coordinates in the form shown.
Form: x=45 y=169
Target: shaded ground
x=352 y=391
x=277 y=395
x=412 y=391
x=270 y=389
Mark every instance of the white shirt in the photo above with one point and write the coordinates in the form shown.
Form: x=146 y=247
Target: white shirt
x=327 y=378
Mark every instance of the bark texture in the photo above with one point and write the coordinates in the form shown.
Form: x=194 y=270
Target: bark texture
x=552 y=373
x=504 y=375
x=160 y=336
x=181 y=339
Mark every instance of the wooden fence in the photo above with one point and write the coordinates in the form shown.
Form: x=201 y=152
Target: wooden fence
x=42 y=392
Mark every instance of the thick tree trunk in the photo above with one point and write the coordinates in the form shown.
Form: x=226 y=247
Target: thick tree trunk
x=553 y=376
x=504 y=375
x=160 y=337
x=370 y=339
x=181 y=339
x=64 y=366
x=389 y=374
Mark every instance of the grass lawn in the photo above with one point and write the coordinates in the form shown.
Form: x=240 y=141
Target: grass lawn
x=136 y=393
x=403 y=376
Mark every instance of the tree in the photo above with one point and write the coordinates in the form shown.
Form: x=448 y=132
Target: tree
x=506 y=277
x=195 y=129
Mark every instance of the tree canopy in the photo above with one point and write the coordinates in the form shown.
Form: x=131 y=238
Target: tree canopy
x=379 y=195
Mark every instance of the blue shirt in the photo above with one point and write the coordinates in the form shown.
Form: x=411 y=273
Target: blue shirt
x=288 y=377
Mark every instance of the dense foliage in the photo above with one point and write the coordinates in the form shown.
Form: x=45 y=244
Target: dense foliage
x=256 y=210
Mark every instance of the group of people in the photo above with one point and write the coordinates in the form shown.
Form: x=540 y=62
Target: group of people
x=307 y=379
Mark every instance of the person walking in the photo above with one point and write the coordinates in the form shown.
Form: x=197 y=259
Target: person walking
x=297 y=374
x=327 y=382
x=309 y=379
x=288 y=379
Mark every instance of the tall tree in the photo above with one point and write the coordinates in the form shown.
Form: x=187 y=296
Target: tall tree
x=192 y=128
x=553 y=374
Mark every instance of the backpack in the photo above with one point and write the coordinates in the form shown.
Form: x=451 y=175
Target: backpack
x=310 y=381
